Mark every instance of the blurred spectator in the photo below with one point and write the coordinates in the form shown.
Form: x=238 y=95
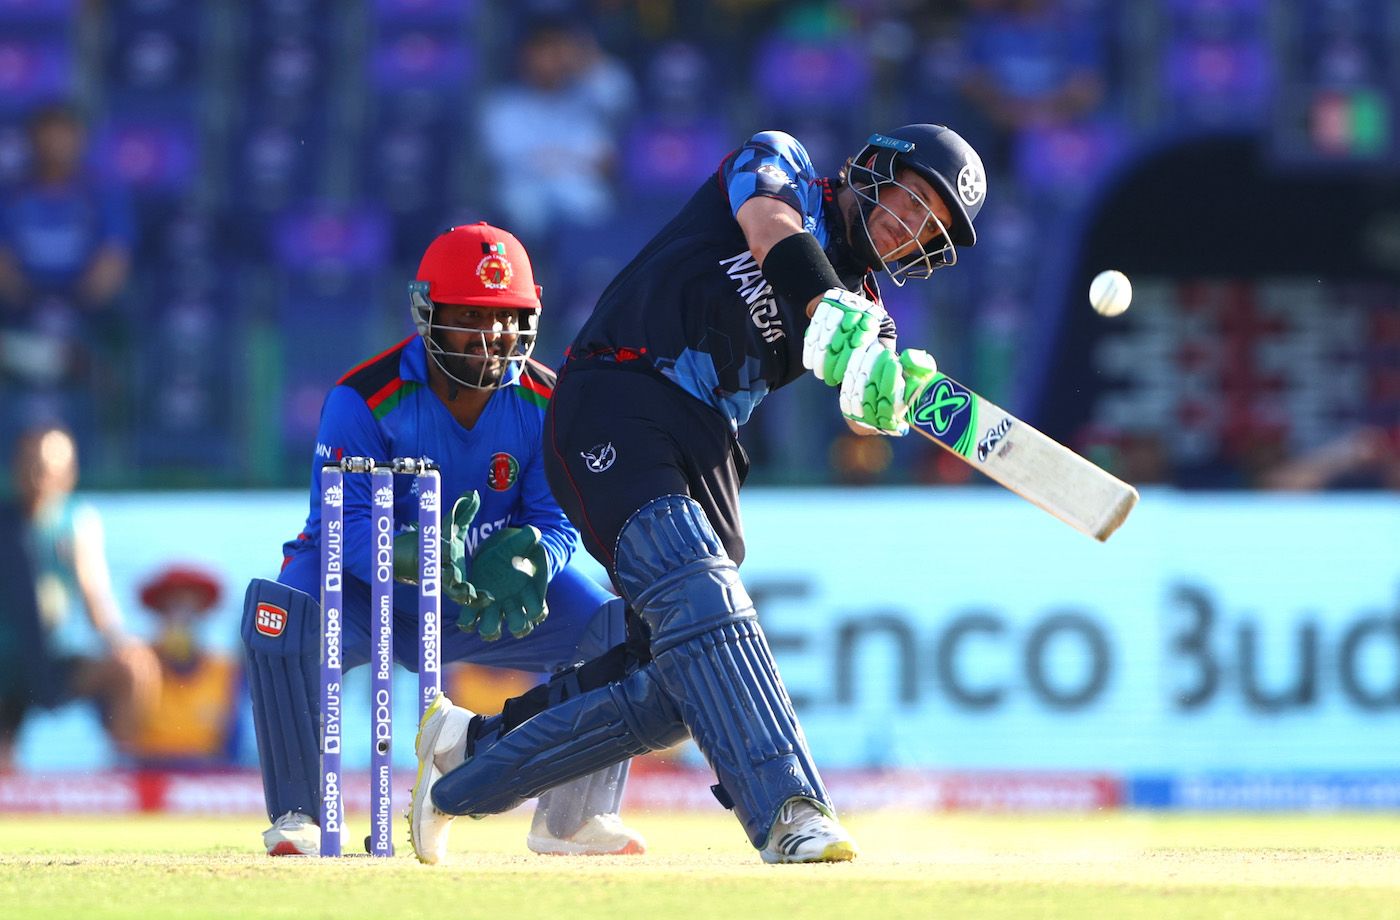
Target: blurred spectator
x=196 y=722
x=1368 y=458
x=94 y=658
x=1030 y=64
x=65 y=244
x=550 y=137
x=63 y=237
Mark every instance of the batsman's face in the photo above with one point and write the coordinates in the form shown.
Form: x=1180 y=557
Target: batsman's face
x=476 y=340
x=909 y=210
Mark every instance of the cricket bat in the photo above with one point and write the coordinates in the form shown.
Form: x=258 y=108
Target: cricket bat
x=1034 y=466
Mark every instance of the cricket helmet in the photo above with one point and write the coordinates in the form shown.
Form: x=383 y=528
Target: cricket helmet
x=483 y=266
x=942 y=158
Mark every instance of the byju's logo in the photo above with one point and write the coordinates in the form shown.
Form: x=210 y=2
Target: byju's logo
x=599 y=457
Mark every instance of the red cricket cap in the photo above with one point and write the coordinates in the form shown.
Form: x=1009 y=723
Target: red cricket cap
x=479 y=265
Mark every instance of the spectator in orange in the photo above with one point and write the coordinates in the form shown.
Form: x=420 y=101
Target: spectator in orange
x=196 y=723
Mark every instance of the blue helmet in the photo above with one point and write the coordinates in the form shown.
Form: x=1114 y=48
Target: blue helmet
x=944 y=160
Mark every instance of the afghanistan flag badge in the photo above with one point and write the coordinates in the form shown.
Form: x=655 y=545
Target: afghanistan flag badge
x=503 y=473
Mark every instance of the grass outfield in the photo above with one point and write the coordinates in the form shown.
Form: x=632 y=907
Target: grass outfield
x=1103 y=866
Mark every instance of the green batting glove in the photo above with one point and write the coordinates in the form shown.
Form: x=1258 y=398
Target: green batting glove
x=880 y=386
x=842 y=325
x=872 y=395
x=919 y=370
x=453 y=555
x=511 y=567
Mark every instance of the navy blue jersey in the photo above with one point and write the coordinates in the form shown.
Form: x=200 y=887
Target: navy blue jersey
x=694 y=303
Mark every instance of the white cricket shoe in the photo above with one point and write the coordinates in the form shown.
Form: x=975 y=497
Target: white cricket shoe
x=600 y=835
x=440 y=740
x=293 y=834
x=803 y=833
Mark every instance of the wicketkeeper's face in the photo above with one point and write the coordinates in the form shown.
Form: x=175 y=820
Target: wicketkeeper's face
x=476 y=341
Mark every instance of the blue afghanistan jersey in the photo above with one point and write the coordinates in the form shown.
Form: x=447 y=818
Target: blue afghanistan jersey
x=384 y=409
x=694 y=303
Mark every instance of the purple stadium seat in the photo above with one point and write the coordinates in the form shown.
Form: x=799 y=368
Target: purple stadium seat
x=152 y=157
x=1214 y=81
x=322 y=238
x=1068 y=160
x=420 y=59
x=37 y=14
x=668 y=156
x=423 y=12
x=796 y=75
x=33 y=71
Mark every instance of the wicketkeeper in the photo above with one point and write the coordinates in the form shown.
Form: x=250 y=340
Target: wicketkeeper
x=464 y=393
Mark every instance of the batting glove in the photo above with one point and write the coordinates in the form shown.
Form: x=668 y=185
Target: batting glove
x=842 y=325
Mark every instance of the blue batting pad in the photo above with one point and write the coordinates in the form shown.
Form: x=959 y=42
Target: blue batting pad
x=712 y=659
x=281 y=637
x=583 y=734
x=565 y=808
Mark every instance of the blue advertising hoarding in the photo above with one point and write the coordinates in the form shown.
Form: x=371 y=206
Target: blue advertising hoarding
x=965 y=630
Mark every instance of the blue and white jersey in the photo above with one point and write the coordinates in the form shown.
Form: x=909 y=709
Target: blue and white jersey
x=694 y=303
x=384 y=409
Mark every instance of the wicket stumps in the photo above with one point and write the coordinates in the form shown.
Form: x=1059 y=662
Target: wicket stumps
x=428 y=484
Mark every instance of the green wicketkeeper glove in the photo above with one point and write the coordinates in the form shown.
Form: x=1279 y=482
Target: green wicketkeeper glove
x=880 y=386
x=842 y=325
x=511 y=567
x=453 y=555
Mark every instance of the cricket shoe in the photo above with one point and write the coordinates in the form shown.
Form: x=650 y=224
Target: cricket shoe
x=293 y=834
x=439 y=746
x=803 y=833
x=600 y=835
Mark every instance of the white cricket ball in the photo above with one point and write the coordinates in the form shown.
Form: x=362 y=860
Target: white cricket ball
x=1110 y=293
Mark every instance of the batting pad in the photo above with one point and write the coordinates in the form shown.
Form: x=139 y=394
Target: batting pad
x=712 y=659
x=572 y=739
x=281 y=638
x=565 y=808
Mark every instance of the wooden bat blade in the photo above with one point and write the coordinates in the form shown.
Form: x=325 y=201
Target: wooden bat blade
x=1029 y=463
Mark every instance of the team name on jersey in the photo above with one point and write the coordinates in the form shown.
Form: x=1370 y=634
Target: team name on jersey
x=743 y=270
x=480 y=532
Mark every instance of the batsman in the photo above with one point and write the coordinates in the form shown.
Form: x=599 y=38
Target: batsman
x=768 y=270
x=464 y=393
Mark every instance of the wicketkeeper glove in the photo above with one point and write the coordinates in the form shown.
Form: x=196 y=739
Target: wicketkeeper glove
x=842 y=325
x=510 y=566
x=455 y=586
x=880 y=387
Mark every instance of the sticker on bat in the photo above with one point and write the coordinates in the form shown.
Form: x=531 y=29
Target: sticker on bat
x=992 y=438
x=947 y=411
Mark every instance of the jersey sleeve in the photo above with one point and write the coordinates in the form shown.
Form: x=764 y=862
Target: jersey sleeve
x=771 y=164
x=348 y=429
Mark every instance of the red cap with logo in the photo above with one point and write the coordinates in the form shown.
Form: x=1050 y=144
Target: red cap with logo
x=480 y=265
